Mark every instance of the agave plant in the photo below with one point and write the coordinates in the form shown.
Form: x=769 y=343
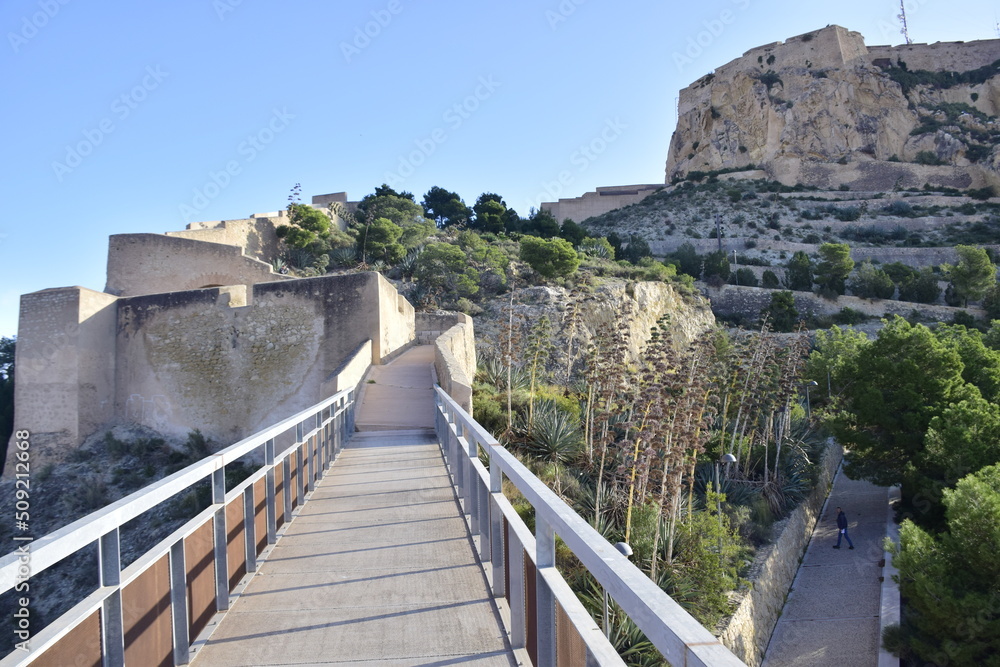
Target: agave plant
x=409 y=263
x=493 y=371
x=343 y=256
x=553 y=434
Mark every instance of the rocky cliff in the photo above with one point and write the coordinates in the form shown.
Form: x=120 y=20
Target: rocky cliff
x=824 y=109
x=636 y=306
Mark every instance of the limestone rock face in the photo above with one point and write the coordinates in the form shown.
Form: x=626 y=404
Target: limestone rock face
x=823 y=97
x=637 y=306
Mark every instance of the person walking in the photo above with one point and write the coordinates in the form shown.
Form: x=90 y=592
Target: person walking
x=842 y=529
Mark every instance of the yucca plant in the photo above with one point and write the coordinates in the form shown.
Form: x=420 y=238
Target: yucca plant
x=344 y=256
x=552 y=434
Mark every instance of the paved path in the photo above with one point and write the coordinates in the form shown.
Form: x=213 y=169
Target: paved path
x=400 y=394
x=378 y=568
x=831 y=616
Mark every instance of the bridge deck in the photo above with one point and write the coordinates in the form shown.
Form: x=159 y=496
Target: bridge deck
x=378 y=567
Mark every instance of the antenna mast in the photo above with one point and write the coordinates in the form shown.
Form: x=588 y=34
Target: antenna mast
x=902 y=17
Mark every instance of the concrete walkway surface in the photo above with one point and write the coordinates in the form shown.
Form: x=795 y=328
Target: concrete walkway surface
x=831 y=615
x=377 y=569
x=400 y=394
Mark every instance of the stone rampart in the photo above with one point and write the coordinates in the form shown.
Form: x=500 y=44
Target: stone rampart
x=65 y=367
x=940 y=56
x=206 y=359
x=154 y=263
x=255 y=235
x=749 y=628
x=601 y=201
x=454 y=352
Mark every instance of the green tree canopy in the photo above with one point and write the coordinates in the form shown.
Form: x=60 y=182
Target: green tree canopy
x=950 y=580
x=398 y=208
x=446 y=208
x=689 y=261
x=716 y=264
x=542 y=225
x=770 y=280
x=920 y=288
x=573 y=232
x=910 y=417
x=973 y=275
x=781 y=312
x=799 y=272
x=636 y=249
x=379 y=240
x=869 y=282
x=549 y=257
x=444 y=267
x=835 y=264
x=490 y=217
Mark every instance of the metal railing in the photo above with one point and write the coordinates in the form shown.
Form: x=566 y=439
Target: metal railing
x=150 y=612
x=546 y=617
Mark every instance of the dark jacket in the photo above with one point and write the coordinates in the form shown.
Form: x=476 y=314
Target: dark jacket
x=841 y=520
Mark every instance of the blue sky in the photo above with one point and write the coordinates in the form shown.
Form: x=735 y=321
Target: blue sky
x=125 y=117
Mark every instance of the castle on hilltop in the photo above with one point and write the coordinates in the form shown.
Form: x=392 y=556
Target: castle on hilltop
x=824 y=109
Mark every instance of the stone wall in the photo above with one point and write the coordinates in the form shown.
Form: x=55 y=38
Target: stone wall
x=940 y=56
x=601 y=201
x=255 y=235
x=65 y=360
x=454 y=342
x=154 y=263
x=209 y=359
x=749 y=629
x=748 y=302
x=351 y=371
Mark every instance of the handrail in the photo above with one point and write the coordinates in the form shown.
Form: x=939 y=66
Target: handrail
x=319 y=433
x=675 y=633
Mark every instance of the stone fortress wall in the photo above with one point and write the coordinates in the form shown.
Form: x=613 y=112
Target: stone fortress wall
x=601 y=201
x=255 y=235
x=940 y=56
x=195 y=330
x=154 y=263
x=225 y=360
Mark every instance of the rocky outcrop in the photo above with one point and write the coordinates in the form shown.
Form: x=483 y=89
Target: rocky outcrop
x=637 y=306
x=822 y=99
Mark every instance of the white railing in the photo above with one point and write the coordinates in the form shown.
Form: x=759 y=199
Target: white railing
x=231 y=533
x=511 y=553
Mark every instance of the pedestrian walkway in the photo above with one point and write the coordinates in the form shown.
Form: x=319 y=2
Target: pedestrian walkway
x=378 y=567
x=831 y=616
x=400 y=394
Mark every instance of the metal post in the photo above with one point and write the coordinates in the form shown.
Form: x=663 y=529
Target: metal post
x=472 y=493
x=496 y=527
x=179 y=603
x=269 y=504
x=310 y=480
x=483 y=503
x=455 y=435
x=545 y=560
x=286 y=487
x=300 y=470
x=515 y=555
x=250 y=528
x=112 y=629
x=221 y=538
